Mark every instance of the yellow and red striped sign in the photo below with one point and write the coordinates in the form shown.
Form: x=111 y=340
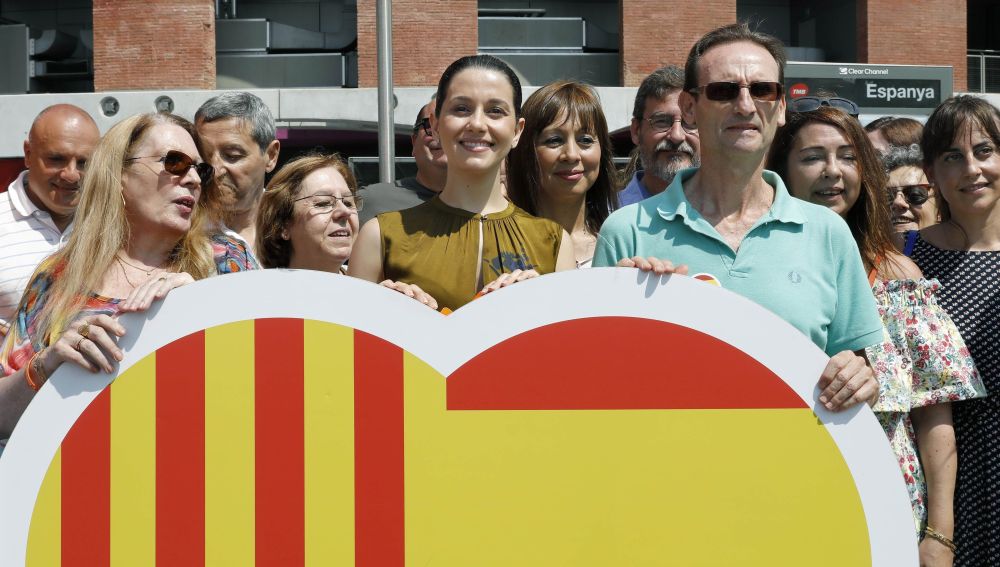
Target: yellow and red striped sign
x=290 y=441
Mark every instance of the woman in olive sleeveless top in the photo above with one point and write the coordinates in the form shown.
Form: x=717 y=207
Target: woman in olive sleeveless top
x=468 y=240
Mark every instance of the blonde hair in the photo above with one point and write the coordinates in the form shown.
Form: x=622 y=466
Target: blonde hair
x=101 y=228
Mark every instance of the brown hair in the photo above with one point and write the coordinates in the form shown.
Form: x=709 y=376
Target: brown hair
x=277 y=206
x=869 y=217
x=578 y=102
x=947 y=121
x=732 y=33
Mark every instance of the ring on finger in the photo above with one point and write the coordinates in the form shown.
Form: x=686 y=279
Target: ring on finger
x=80 y=342
x=84 y=330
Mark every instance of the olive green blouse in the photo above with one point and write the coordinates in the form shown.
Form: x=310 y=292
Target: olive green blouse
x=452 y=253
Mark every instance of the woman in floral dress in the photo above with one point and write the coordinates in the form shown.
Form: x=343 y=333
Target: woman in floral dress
x=825 y=158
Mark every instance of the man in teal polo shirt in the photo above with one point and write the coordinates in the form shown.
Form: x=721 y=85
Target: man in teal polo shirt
x=732 y=219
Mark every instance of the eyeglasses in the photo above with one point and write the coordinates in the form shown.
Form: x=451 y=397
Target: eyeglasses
x=324 y=204
x=916 y=194
x=663 y=122
x=178 y=163
x=768 y=91
x=424 y=123
x=810 y=103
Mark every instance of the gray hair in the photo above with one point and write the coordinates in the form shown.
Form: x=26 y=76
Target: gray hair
x=657 y=85
x=902 y=156
x=245 y=106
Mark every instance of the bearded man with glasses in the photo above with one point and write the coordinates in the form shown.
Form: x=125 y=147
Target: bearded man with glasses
x=736 y=223
x=666 y=144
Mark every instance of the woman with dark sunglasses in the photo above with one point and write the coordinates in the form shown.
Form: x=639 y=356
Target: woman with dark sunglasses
x=564 y=168
x=912 y=200
x=139 y=232
x=961 y=146
x=922 y=364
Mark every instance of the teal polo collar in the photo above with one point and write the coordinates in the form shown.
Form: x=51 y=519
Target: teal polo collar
x=673 y=202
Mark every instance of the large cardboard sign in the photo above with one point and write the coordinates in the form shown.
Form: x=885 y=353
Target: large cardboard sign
x=598 y=417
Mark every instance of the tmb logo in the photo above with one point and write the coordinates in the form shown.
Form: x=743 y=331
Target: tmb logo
x=798 y=89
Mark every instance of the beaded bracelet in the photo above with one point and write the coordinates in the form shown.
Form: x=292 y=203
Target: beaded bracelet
x=28 y=371
x=945 y=541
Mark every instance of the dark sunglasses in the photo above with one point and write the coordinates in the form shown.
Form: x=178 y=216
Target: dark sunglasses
x=914 y=194
x=425 y=124
x=178 y=163
x=726 y=90
x=810 y=103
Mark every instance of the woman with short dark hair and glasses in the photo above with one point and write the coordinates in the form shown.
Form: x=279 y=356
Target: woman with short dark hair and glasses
x=961 y=146
x=308 y=216
x=141 y=230
x=913 y=201
x=922 y=364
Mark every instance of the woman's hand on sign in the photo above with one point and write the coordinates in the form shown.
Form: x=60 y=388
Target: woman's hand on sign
x=847 y=380
x=658 y=266
x=156 y=288
x=507 y=279
x=90 y=342
x=411 y=290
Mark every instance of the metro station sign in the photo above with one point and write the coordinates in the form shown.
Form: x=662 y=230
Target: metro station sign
x=877 y=89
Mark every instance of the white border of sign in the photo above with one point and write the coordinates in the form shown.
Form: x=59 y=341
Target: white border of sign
x=467 y=332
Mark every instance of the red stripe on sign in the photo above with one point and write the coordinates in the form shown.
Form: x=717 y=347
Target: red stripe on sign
x=180 y=452
x=378 y=460
x=280 y=442
x=616 y=363
x=86 y=487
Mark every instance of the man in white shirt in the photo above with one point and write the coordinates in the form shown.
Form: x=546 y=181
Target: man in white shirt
x=37 y=210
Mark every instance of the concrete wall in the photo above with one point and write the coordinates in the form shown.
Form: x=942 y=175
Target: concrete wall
x=348 y=109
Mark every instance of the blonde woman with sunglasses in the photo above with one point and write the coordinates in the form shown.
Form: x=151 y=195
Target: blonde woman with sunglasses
x=139 y=233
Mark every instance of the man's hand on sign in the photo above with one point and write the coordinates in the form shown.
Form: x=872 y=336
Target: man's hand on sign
x=411 y=290
x=658 y=266
x=847 y=380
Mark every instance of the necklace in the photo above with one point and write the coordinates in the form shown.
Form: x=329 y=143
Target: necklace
x=122 y=263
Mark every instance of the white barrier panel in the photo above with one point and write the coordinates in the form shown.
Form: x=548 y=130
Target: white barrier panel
x=596 y=417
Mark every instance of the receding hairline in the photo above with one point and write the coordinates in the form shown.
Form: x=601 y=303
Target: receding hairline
x=64 y=111
x=761 y=47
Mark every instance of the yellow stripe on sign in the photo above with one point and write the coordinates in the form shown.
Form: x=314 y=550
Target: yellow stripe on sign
x=595 y=488
x=45 y=533
x=329 y=444
x=229 y=444
x=133 y=465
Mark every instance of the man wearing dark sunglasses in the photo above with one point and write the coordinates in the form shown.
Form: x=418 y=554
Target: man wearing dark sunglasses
x=38 y=207
x=911 y=197
x=238 y=137
x=732 y=220
x=432 y=171
x=666 y=145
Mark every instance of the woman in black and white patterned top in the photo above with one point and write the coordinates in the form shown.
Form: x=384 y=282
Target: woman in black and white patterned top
x=961 y=145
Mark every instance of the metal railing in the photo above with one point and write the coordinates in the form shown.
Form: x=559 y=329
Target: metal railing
x=984 y=71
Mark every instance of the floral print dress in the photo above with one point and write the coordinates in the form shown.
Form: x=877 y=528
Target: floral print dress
x=921 y=361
